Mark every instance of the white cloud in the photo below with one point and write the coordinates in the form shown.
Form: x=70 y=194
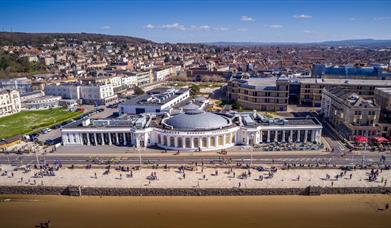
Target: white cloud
x=246 y=18
x=381 y=18
x=302 y=16
x=242 y=29
x=149 y=26
x=180 y=27
x=353 y=19
x=105 y=27
x=307 y=31
x=273 y=26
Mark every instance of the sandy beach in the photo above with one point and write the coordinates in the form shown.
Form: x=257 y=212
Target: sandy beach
x=258 y=211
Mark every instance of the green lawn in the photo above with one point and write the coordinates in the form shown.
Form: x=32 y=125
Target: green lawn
x=30 y=121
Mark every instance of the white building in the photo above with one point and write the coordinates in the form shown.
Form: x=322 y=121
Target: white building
x=162 y=74
x=66 y=91
x=9 y=102
x=129 y=80
x=155 y=101
x=44 y=102
x=193 y=130
x=23 y=85
x=116 y=82
x=144 y=78
x=97 y=94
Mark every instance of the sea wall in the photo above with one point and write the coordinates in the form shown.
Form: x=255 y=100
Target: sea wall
x=93 y=191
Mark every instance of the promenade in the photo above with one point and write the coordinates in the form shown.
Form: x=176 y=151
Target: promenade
x=198 y=178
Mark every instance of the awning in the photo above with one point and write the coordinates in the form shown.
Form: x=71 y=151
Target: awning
x=360 y=139
x=380 y=139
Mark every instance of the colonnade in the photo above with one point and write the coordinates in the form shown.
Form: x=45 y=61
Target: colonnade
x=102 y=138
x=196 y=142
x=284 y=136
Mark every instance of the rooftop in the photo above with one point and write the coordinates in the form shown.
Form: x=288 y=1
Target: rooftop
x=157 y=96
x=352 y=98
x=346 y=81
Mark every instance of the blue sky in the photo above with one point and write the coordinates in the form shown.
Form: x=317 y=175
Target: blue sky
x=205 y=21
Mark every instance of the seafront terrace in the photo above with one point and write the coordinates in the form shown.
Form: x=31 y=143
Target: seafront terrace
x=198 y=177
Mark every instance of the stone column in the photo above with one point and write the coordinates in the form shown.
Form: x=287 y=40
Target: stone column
x=298 y=136
x=109 y=134
x=208 y=142
x=175 y=141
x=305 y=136
x=183 y=142
x=216 y=141
x=96 y=141
x=124 y=135
x=318 y=135
x=191 y=142
x=223 y=143
x=290 y=136
x=312 y=136
x=117 y=138
x=275 y=136
x=283 y=135
x=268 y=136
x=88 y=139
x=260 y=136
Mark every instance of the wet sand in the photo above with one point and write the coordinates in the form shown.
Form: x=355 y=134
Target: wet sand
x=240 y=211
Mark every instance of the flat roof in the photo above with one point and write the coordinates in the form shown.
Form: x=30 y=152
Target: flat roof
x=334 y=81
x=268 y=83
x=156 y=96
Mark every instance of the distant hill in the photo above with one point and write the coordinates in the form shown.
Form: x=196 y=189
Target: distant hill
x=21 y=38
x=360 y=42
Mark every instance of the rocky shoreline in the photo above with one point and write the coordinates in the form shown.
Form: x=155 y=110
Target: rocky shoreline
x=97 y=191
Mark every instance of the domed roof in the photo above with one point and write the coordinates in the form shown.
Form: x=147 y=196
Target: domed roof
x=199 y=120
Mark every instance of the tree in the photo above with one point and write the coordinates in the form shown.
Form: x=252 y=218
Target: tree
x=138 y=91
x=194 y=89
x=236 y=105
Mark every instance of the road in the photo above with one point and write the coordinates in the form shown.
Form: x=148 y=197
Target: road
x=134 y=159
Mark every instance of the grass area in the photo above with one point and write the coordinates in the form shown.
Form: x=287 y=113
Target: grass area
x=29 y=121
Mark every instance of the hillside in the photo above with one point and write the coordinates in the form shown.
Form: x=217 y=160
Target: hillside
x=21 y=38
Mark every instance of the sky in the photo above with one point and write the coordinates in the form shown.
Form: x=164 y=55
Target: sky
x=205 y=20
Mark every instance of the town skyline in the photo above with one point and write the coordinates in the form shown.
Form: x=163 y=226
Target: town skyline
x=233 y=21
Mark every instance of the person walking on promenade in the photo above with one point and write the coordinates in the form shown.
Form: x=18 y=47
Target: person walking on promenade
x=385 y=182
x=96 y=177
x=332 y=183
x=239 y=185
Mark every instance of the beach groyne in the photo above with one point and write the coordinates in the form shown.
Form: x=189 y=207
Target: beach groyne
x=106 y=191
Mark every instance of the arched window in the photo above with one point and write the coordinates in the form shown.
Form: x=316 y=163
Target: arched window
x=227 y=138
x=180 y=142
x=212 y=141
x=188 y=143
x=165 y=140
x=172 y=141
x=196 y=143
x=159 y=139
x=204 y=142
x=220 y=140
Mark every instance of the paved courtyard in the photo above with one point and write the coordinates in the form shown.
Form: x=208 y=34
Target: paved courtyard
x=199 y=178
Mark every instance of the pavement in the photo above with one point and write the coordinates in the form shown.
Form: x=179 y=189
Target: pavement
x=198 y=178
